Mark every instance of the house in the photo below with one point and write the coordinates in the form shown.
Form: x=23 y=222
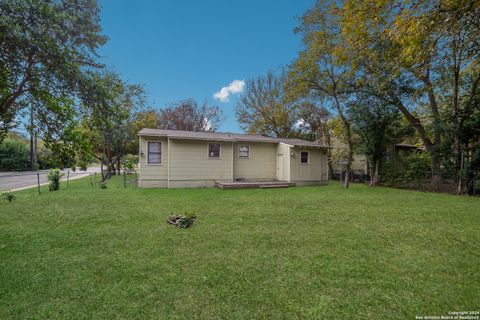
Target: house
x=339 y=154
x=186 y=159
x=396 y=155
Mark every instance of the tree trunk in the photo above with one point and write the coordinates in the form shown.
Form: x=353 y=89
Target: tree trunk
x=460 y=175
x=348 y=169
x=437 y=178
x=101 y=170
x=327 y=142
x=370 y=172
x=376 y=178
x=118 y=166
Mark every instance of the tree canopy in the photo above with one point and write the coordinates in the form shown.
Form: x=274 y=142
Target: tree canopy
x=46 y=46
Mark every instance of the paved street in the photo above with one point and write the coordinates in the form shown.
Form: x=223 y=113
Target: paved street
x=28 y=179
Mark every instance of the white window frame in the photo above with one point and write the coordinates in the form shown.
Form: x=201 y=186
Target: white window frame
x=161 y=153
x=244 y=145
x=308 y=157
x=219 y=151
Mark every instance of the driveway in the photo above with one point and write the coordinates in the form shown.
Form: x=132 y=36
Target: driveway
x=28 y=179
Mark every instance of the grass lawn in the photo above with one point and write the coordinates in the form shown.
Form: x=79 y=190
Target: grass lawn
x=305 y=252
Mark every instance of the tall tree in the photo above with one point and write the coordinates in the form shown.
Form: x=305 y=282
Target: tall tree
x=314 y=124
x=45 y=46
x=377 y=126
x=418 y=55
x=323 y=67
x=190 y=116
x=265 y=109
x=111 y=105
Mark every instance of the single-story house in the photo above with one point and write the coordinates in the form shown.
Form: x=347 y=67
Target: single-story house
x=187 y=159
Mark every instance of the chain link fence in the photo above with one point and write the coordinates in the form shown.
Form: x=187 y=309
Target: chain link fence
x=15 y=181
x=448 y=182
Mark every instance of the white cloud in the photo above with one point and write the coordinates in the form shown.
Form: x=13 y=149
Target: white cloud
x=236 y=86
x=299 y=123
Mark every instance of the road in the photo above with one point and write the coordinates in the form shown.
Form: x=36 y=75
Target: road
x=28 y=179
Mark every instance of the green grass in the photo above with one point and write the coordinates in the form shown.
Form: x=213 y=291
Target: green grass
x=305 y=252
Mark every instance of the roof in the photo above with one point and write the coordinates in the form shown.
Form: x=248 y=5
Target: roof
x=224 y=136
x=409 y=146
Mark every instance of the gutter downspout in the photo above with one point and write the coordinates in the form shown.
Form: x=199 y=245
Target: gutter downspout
x=232 y=161
x=168 y=163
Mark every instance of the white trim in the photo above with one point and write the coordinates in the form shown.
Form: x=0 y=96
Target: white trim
x=291 y=146
x=161 y=153
x=219 y=151
x=244 y=145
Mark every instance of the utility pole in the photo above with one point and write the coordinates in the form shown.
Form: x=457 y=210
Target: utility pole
x=33 y=143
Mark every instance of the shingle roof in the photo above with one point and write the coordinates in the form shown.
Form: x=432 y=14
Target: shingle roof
x=223 y=136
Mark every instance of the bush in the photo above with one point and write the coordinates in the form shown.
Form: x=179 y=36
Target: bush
x=14 y=155
x=181 y=221
x=54 y=177
x=414 y=168
x=47 y=159
x=82 y=164
x=417 y=166
x=130 y=162
x=8 y=195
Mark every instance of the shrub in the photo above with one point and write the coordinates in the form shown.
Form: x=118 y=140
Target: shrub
x=47 y=159
x=54 y=177
x=129 y=162
x=414 y=168
x=417 y=166
x=14 y=155
x=9 y=195
x=182 y=221
x=82 y=164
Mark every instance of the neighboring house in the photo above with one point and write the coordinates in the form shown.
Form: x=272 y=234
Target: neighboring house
x=183 y=159
x=339 y=153
x=396 y=154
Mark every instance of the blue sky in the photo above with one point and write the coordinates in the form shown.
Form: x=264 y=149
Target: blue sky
x=191 y=49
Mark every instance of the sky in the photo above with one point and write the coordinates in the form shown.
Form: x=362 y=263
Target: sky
x=203 y=50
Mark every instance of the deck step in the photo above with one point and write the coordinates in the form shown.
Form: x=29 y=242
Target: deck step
x=275 y=186
x=254 y=184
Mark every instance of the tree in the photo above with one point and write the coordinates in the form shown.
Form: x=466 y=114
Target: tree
x=420 y=56
x=149 y=118
x=45 y=48
x=324 y=68
x=188 y=115
x=376 y=124
x=314 y=125
x=112 y=105
x=264 y=107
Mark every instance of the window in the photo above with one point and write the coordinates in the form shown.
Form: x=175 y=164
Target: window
x=244 y=151
x=214 y=150
x=154 y=152
x=304 y=157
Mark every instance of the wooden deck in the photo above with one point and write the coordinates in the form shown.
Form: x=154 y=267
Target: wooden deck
x=253 y=184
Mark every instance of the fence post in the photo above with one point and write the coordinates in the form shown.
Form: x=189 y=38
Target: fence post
x=124 y=179
x=38 y=182
x=95 y=180
x=68 y=177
